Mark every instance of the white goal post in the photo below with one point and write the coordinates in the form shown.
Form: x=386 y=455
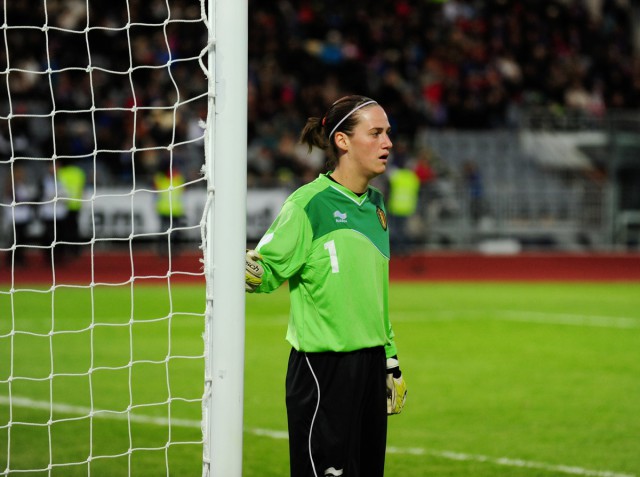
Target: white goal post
x=122 y=236
x=227 y=170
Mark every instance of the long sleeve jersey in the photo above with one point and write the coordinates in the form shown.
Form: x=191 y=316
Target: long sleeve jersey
x=333 y=248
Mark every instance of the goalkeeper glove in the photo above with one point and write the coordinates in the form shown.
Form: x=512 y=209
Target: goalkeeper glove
x=396 y=387
x=253 y=271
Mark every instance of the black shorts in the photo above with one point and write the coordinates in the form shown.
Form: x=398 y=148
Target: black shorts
x=337 y=413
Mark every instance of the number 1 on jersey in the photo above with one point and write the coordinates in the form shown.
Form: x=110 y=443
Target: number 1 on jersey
x=333 y=256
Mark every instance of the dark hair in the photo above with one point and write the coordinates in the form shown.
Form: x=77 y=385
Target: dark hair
x=316 y=131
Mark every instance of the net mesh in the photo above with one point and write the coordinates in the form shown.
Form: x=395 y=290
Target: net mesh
x=101 y=199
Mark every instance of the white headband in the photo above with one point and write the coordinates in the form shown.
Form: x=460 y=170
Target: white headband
x=349 y=114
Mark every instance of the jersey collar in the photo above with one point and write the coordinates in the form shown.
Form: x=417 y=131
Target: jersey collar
x=358 y=199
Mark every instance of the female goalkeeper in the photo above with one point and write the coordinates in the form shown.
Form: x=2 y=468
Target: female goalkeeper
x=330 y=241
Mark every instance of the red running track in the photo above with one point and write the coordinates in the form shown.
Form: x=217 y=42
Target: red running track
x=521 y=267
x=111 y=267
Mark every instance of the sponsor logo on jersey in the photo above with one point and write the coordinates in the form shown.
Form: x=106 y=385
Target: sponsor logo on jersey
x=382 y=218
x=340 y=217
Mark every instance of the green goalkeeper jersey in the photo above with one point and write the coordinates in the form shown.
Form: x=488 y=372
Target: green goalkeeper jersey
x=333 y=247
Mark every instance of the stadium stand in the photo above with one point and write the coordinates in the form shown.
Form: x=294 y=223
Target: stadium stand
x=477 y=83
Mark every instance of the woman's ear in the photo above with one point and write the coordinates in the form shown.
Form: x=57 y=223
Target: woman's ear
x=341 y=140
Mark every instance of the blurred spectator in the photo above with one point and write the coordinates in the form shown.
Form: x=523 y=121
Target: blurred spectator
x=72 y=179
x=18 y=219
x=404 y=187
x=53 y=214
x=474 y=190
x=169 y=182
x=426 y=174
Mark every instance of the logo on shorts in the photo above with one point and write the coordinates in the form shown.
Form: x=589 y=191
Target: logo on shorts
x=382 y=218
x=341 y=217
x=333 y=472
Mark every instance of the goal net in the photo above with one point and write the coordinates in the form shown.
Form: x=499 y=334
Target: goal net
x=102 y=195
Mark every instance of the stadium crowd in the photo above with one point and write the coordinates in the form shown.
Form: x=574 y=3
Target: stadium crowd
x=433 y=64
x=454 y=64
x=109 y=70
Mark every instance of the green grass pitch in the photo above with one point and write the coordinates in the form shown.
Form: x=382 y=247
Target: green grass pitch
x=505 y=379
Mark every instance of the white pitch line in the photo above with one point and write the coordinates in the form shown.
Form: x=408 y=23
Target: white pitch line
x=459 y=456
x=520 y=316
x=275 y=434
x=569 y=319
x=97 y=413
x=508 y=462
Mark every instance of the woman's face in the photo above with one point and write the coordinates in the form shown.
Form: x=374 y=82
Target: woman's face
x=369 y=146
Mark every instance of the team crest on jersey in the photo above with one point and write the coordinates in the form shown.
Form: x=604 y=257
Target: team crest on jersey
x=382 y=218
